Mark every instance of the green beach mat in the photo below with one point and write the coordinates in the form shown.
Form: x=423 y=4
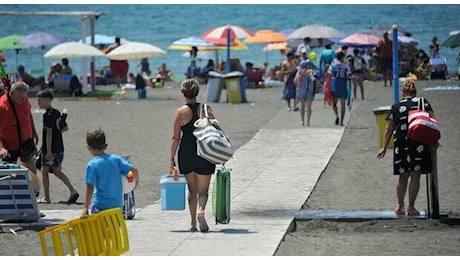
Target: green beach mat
x=221 y=196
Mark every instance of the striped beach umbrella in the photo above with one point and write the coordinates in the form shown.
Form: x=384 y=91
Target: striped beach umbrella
x=226 y=34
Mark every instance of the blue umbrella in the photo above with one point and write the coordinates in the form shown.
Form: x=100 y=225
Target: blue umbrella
x=101 y=39
x=188 y=43
x=41 y=39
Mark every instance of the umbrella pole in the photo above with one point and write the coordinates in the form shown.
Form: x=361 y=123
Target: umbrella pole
x=17 y=54
x=43 y=62
x=227 y=65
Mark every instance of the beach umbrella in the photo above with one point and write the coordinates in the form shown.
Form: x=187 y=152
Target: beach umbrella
x=316 y=31
x=103 y=40
x=135 y=50
x=73 y=50
x=360 y=39
x=402 y=38
x=11 y=43
x=41 y=39
x=389 y=27
x=186 y=44
x=452 y=41
x=202 y=55
x=226 y=34
x=266 y=36
x=319 y=34
x=276 y=46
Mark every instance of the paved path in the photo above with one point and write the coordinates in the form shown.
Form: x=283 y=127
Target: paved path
x=272 y=176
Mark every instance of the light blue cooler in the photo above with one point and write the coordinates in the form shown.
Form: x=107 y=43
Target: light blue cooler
x=172 y=192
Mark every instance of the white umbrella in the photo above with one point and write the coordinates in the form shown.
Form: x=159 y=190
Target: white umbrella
x=318 y=33
x=135 y=50
x=72 y=50
x=202 y=55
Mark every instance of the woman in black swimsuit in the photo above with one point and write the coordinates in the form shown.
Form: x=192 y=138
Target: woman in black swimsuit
x=197 y=170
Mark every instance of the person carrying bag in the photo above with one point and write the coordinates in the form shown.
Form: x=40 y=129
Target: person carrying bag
x=213 y=144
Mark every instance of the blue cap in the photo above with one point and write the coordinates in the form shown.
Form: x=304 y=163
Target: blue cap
x=304 y=63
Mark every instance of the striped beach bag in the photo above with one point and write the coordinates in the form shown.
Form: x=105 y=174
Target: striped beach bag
x=212 y=143
x=423 y=128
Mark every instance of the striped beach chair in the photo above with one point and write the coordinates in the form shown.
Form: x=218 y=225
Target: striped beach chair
x=17 y=196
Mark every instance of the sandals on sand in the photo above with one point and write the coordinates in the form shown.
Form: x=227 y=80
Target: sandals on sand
x=73 y=198
x=43 y=201
x=410 y=212
x=413 y=212
x=399 y=212
x=202 y=221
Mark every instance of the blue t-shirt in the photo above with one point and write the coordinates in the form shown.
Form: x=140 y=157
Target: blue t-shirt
x=104 y=172
x=339 y=73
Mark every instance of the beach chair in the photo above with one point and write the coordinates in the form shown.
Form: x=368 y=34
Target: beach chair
x=438 y=68
x=17 y=195
x=62 y=83
x=100 y=234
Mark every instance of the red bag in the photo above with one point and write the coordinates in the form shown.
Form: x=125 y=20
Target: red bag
x=423 y=128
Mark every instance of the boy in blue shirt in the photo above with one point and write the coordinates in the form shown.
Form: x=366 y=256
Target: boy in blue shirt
x=104 y=189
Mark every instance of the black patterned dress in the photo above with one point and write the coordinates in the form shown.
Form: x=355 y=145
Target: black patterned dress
x=408 y=155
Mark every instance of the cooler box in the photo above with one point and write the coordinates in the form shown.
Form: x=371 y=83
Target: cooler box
x=17 y=195
x=380 y=113
x=236 y=92
x=214 y=89
x=172 y=192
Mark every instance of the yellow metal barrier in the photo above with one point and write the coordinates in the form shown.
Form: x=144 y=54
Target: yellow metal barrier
x=101 y=234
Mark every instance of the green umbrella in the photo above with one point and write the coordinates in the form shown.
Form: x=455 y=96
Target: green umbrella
x=9 y=43
x=452 y=42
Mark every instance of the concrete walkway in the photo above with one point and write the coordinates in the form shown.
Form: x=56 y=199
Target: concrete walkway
x=272 y=176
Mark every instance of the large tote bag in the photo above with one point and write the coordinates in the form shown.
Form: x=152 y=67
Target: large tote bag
x=213 y=144
x=423 y=128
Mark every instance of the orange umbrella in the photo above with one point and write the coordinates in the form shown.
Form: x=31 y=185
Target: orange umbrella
x=266 y=36
x=275 y=46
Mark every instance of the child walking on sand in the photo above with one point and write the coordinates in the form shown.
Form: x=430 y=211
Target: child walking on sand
x=104 y=188
x=52 y=150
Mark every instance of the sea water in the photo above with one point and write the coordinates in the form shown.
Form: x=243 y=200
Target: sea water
x=161 y=25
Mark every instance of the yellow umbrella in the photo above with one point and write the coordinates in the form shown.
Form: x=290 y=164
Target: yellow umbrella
x=266 y=36
x=238 y=45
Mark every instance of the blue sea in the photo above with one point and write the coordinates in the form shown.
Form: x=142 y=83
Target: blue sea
x=161 y=25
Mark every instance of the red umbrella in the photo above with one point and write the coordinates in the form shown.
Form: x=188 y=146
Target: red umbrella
x=226 y=33
x=220 y=32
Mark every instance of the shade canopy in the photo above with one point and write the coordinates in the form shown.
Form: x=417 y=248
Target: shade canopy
x=73 y=50
x=266 y=36
x=11 y=42
x=135 y=50
x=40 y=39
x=185 y=44
x=316 y=31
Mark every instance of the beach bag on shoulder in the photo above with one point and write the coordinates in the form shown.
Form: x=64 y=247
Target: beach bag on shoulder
x=212 y=143
x=423 y=128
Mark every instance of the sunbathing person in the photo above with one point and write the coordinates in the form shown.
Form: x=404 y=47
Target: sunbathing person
x=31 y=80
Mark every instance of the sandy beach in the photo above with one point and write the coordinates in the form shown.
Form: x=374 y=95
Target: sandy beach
x=353 y=180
